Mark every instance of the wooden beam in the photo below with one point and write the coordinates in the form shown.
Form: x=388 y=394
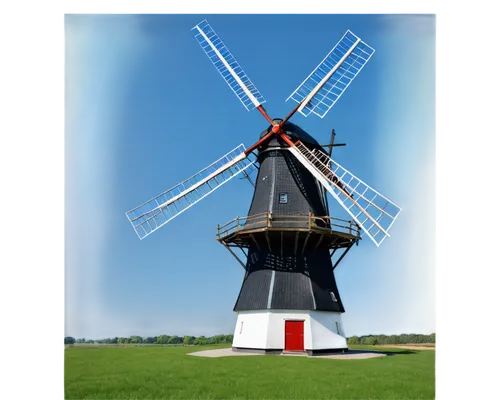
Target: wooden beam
x=256 y=244
x=343 y=255
x=234 y=255
x=319 y=241
x=305 y=242
x=268 y=243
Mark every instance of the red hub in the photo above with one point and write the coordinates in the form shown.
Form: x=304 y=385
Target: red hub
x=276 y=128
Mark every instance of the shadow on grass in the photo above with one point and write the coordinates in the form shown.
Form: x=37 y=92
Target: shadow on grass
x=387 y=353
x=396 y=353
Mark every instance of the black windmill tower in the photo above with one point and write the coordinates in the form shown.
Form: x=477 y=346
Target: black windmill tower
x=289 y=298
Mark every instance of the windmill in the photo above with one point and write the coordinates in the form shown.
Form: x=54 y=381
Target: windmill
x=289 y=298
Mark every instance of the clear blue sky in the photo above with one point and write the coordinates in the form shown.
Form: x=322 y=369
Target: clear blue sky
x=146 y=109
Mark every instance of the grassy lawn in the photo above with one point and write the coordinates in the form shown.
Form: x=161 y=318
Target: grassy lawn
x=168 y=373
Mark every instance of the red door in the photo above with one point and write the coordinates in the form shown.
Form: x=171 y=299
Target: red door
x=294 y=335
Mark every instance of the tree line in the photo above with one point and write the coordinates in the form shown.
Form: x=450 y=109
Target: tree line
x=404 y=338
x=162 y=339
x=228 y=339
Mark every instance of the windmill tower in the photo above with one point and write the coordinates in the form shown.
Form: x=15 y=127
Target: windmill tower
x=289 y=298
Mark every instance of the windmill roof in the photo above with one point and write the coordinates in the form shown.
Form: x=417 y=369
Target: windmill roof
x=295 y=132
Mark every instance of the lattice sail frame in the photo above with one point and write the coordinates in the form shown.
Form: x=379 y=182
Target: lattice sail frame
x=328 y=81
x=228 y=67
x=155 y=213
x=372 y=211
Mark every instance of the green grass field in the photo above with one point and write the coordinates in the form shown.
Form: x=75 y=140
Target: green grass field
x=168 y=373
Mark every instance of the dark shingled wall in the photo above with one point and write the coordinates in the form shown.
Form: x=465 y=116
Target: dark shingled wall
x=303 y=282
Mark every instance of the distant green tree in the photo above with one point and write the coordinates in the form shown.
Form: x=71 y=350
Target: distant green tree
x=135 y=339
x=80 y=340
x=123 y=340
x=174 y=340
x=188 y=340
x=219 y=339
x=149 y=339
x=393 y=339
x=69 y=340
x=200 y=341
x=371 y=340
x=352 y=340
x=432 y=338
x=162 y=339
x=114 y=340
x=382 y=339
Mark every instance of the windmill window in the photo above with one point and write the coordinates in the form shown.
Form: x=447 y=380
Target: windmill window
x=283 y=198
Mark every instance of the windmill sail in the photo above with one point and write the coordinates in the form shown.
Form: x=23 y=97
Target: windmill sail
x=372 y=211
x=156 y=212
x=324 y=86
x=226 y=64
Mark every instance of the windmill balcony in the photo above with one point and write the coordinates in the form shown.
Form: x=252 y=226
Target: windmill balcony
x=290 y=234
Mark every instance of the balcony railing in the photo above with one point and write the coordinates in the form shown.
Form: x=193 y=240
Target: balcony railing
x=267 y=221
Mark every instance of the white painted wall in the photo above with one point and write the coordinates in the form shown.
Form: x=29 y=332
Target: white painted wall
x=265 y=329
x=324 y=331
x=253 y=333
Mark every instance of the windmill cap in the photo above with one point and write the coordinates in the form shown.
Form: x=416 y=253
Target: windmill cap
x=294 y=132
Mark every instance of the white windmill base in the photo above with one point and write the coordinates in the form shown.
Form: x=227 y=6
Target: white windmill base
x=263 y=331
